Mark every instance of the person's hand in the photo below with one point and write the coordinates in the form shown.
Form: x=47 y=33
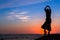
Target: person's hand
x=47 y=9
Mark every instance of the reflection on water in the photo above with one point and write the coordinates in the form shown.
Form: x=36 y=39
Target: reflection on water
x=19 y=36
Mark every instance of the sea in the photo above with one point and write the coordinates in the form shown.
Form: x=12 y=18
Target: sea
x=19 y=36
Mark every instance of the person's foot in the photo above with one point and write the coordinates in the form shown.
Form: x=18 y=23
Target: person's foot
x=45 y=34
x=48 y=32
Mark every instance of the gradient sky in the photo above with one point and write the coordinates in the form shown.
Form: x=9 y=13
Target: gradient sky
x=27 y=16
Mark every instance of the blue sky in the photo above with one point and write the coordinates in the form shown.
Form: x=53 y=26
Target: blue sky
x=33 y=8
x=26 y=10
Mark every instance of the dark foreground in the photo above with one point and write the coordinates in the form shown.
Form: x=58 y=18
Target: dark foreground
x=50 y=37
x=19 y=36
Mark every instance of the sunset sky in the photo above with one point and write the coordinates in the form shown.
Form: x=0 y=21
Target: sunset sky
x=27 y=16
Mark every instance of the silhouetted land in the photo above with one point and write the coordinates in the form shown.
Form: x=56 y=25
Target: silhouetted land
x=50 y=37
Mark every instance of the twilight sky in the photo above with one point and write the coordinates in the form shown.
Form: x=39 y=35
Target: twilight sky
x=27 y=16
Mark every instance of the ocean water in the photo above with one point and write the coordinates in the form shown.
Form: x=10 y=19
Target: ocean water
x=19 y=36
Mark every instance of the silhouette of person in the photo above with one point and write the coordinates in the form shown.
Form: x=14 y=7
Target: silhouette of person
x=47 y=23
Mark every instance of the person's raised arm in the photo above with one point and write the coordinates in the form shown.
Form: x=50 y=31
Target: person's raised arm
x=47 y=8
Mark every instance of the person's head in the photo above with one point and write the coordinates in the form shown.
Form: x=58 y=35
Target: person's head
x=47 y=9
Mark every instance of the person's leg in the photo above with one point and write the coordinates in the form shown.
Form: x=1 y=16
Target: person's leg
x=48 y=32
x=45 y=32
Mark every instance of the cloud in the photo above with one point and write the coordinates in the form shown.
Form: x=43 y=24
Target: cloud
x=10 y=18
x=17 y=3
x=23 y=13
x=20 y=16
